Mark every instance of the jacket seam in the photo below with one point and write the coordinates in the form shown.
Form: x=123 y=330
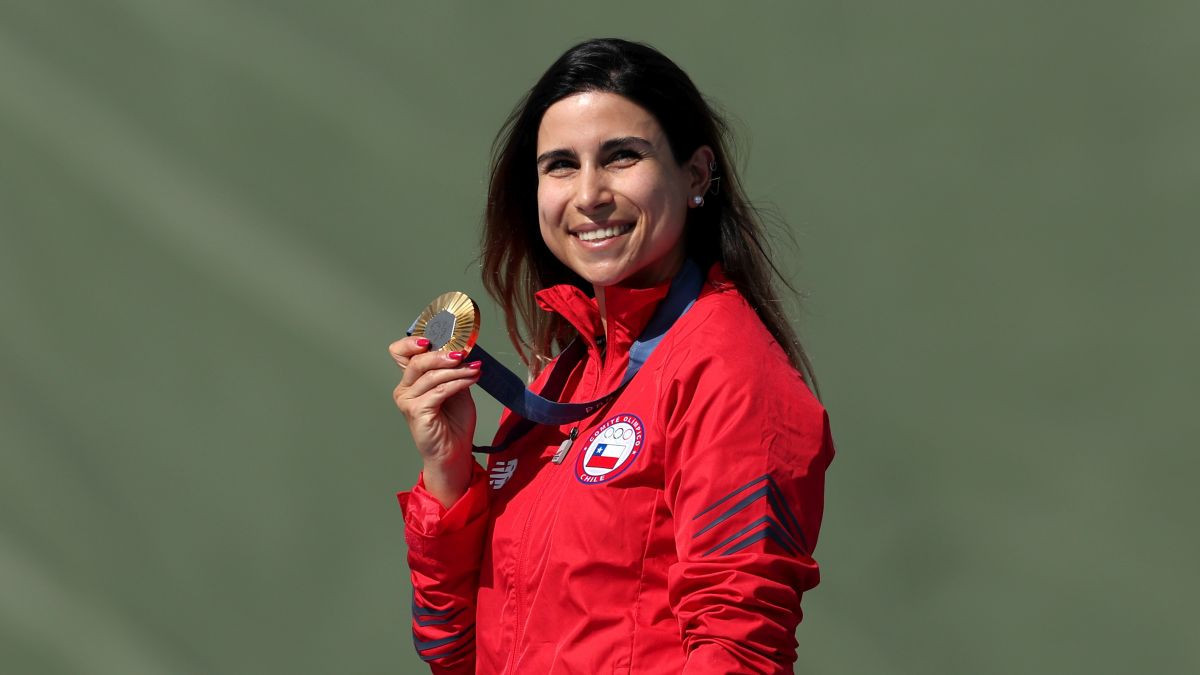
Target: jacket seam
x=637 y=596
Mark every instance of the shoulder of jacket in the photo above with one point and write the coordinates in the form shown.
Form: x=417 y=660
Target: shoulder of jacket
x=722 y=325
x=722 y=343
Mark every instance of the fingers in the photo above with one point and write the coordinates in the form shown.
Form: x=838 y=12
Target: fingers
x=429 y=392
x=420 y=364
x=429 y=377
x=434 y=396
x=433 y=399
x=403 y=350
x=434 y=378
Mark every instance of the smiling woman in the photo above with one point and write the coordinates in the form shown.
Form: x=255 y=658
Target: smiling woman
x=673 y=528
x=612 y=201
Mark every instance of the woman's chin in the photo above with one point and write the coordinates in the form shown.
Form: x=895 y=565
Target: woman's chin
x=600 y=272
x=603 y=280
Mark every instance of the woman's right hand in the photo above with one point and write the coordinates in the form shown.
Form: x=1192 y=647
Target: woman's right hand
x=434 y=395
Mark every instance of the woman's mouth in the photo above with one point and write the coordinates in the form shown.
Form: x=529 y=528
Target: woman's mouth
x=603 y=233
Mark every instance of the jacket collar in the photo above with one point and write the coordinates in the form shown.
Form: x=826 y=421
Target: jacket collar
x=627 y=312
x=629 y=309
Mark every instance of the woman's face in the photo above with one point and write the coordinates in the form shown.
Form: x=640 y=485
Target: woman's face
x=612 y=202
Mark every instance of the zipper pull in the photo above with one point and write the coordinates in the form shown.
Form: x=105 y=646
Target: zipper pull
x=565 y=447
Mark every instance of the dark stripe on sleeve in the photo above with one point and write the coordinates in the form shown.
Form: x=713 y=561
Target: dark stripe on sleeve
x=775 y=497
x=437 y=621
x=424 y=646
x=787 y=542
x=453 y=652
x=761 y=492
x=769 y=533
x=425 y=616
x=722 y=500
x=785 y=530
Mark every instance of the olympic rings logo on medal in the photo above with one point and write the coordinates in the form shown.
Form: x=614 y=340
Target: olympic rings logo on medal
x=610 y=449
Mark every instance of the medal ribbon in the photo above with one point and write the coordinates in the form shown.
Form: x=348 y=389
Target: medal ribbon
x=507 y=388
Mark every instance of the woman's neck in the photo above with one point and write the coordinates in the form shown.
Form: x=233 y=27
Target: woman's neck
x=666 y=272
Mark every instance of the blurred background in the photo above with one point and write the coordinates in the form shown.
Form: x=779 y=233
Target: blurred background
x=215 y=215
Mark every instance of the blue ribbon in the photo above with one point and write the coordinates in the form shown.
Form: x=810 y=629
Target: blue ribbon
x=504 y=386
x=509 y=390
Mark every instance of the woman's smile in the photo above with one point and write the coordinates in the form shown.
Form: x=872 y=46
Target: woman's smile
x=603 y=232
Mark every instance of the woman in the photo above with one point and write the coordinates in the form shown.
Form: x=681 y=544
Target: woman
x=672 y=530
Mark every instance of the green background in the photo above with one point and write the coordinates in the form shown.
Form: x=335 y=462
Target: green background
x=216 y=214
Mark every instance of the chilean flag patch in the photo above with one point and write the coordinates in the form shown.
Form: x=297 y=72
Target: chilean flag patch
x=611 y=448
x=605 y=456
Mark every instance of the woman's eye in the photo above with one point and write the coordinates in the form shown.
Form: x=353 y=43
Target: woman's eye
x=557 y=166
x=624 y=157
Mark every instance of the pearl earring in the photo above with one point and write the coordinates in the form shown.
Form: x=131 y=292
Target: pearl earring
x=698 y=200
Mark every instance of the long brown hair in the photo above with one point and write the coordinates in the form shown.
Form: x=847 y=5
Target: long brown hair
x=516 y=262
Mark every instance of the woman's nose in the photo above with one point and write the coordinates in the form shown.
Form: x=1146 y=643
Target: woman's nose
x=592 y=190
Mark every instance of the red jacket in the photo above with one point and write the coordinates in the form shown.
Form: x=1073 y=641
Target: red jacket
x=676 y=536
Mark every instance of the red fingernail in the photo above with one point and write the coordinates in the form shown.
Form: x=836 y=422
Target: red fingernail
x=454 y=356
x=422 y=342
x=475 y=365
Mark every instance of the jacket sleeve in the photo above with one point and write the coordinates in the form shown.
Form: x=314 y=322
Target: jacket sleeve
x=745 y=483
x=444 y=551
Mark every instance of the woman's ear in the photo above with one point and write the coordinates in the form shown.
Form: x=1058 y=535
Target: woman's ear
x=699 y=169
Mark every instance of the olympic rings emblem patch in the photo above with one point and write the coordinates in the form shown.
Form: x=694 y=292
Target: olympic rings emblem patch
x=611 y=448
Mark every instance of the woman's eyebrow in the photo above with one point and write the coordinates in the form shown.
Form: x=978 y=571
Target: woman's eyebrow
x=559 y=153
x=607 y=146
x=614 y=143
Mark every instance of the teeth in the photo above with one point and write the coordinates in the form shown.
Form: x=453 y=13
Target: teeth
x=604 y=233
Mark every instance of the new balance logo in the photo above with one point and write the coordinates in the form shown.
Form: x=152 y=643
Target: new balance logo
x=501 y=472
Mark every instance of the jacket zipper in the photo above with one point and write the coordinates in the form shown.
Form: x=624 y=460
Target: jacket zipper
x=522 y=548
x=555 y=488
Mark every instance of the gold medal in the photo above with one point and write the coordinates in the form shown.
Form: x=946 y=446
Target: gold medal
x=450 y=322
